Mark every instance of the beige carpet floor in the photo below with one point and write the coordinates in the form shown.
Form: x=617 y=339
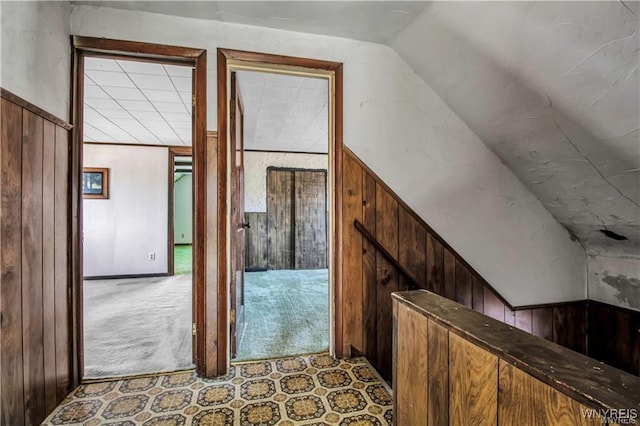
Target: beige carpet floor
x=310 y=390
x=137 y=326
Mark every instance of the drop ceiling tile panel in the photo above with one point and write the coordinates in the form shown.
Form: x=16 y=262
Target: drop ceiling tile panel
x=179 y=117
x=110 y=78
x=94 y=92
x=170 y=107
x=101 y=64
x=101 y=103
x=182 y=84
x=95 y=134
x=124 y=93
x=139 y=67
x=162 y=95
x=147 y=115
x=155 y=82
x=115 y=113
x=136 y=105
x=186 y=98
x=178 y=71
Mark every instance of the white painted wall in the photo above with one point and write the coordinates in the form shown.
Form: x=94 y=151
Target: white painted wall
x=255 y=173
x=119 y=233
x=614 y=278
x=398 y=125
x=36 y=54
x=183 y=210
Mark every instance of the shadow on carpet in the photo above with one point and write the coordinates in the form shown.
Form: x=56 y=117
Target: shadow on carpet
x=286 y=313
x=137 y=326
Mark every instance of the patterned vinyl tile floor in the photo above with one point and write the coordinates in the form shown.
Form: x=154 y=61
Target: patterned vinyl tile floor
x=309 y=390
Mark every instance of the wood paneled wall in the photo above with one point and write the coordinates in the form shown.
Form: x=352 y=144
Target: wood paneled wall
x=256 y=241
x=453 y=366
x=36 y=340
x=369 y=279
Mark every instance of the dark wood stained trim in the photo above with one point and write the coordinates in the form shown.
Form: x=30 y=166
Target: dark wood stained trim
x=197 y=58
x=136 y=49
x=135 y=58
x=295 y=169
x=266 y=151
x=616 y=307
x=549 y=305
x=223 y=56
x=4 y=93
x=125 y=276
x=289 y=61
x=143 y=145
x=431 y=231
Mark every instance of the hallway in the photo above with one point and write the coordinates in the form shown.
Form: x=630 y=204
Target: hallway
x=316 y=389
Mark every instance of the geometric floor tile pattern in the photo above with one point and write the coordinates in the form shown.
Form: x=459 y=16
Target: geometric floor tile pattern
x=308 y=390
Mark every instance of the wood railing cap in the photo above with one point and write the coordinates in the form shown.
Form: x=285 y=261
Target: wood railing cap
x=584 y=379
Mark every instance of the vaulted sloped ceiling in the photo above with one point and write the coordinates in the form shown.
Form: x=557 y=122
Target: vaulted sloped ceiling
x=553 y=89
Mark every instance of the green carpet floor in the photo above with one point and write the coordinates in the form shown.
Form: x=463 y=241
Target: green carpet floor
x=286 y=313
x=182 y=259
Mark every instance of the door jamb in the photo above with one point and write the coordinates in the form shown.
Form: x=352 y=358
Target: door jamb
x=139 y=51
x=225 y=60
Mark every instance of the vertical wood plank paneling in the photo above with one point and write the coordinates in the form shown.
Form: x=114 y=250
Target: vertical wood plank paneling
x=524 y=399
x=12 y=379
x=411 y=367
x=352 y=288
x=464 y=288
x=559 y=325
x=509 y=317
x=386 y=274
x=493 y=307
x=48 y=263
x=310 y=219
x=623 y=332
x=435 y=265
x=449 y=275
x=32 y=314
x=577 y=327
x=256 y=240
x=473 y=384
x=543 y=322
x=61 y=264
x=438 y=370
x=524 y=320
x=369 y=282
x=478 y=295
x=280 y=219
x=411 y=252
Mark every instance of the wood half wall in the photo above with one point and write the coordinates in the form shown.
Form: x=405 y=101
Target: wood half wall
x=36 y=338
x=369 y=279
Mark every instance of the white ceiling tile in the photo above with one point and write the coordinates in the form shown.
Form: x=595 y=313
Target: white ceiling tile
x=155 y=82
x=140 y=67
x=100 y=64
x=115 y=113
x=124 y=93
x=110 y=78
x=186 y=97
x=94 y=92
x=170 y=107
x=179 y=71
x=182 y=84
x=162 y=95
x=98 y=103
x=147 y=115
x=136 y=105
x=180 y=117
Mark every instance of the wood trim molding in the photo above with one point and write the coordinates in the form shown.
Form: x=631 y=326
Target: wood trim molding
x=224 y=56
x=4 y=93
x=137 y=49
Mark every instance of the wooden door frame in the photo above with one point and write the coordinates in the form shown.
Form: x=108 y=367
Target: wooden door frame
x=226 y=60
x=175 y=151
x=118 y=49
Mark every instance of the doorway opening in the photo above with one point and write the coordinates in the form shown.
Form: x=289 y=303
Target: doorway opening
x=136 y=126
x=281 y=132
x=285 y=300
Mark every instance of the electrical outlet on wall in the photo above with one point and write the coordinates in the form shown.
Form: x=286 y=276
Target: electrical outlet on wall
x=152 y=256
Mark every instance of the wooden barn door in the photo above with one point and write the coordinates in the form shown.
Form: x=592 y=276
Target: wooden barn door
x=296 y=219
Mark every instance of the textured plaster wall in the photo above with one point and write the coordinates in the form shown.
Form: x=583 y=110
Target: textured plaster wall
x=255 y=173
x=553 y=88
x=36 y=55
x=405 y=132
x=119 y=233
